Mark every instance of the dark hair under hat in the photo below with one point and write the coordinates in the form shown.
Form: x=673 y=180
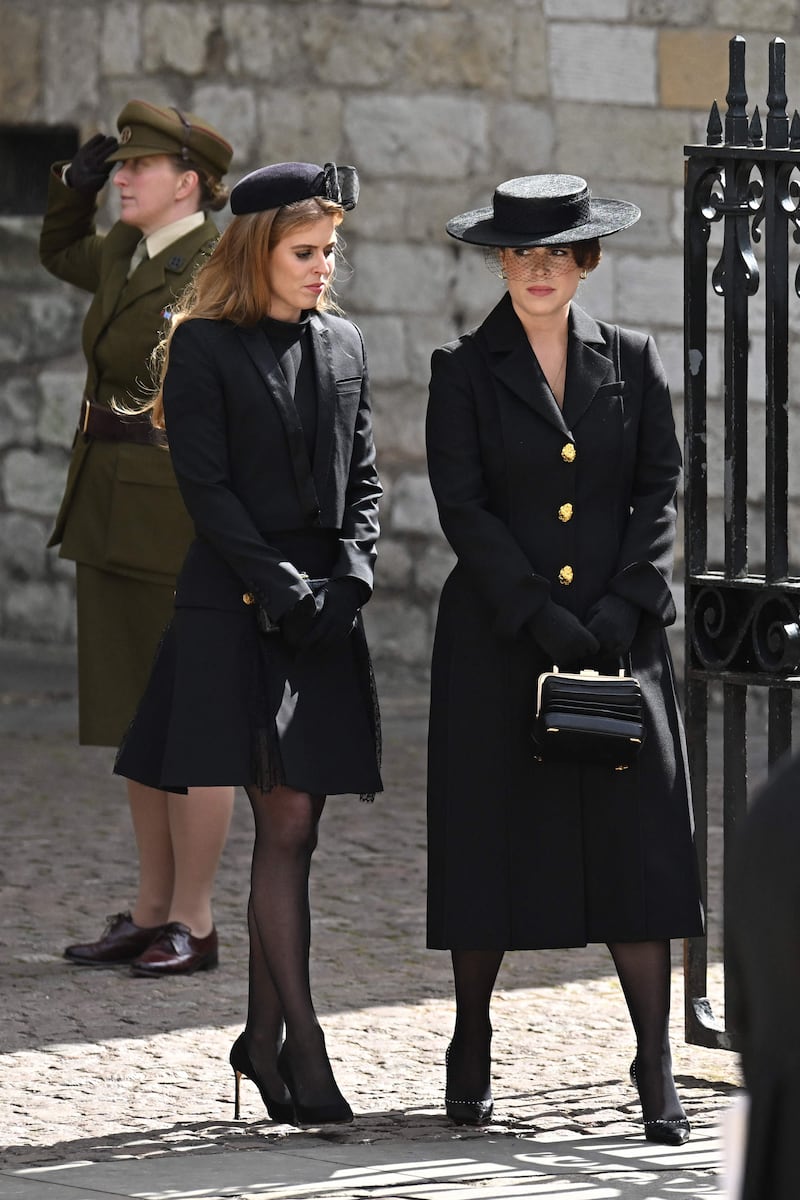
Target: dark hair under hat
x=146 y=129
x=542 y=210
x=286 y=183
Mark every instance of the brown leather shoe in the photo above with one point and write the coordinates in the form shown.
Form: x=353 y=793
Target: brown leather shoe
x=120 y=943
x=177 y=952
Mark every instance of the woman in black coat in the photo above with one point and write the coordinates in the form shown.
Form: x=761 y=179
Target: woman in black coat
x=554 y=463
x=263 y=678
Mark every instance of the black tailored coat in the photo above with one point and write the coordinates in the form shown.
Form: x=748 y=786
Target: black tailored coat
x=763 y=936
x=242 y=465
x=570 y=505
x=225 y=702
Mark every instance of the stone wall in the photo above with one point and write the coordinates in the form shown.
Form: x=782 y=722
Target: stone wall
x=435 y=101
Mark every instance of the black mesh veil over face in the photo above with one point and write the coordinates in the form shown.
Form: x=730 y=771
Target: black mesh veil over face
x=529 y=262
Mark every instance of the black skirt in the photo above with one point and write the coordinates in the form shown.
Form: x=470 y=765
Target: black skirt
x=226 y=704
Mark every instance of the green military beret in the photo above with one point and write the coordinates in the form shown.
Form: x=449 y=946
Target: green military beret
x=146 y=129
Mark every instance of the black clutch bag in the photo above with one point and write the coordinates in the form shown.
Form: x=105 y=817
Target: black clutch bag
x=588 y=718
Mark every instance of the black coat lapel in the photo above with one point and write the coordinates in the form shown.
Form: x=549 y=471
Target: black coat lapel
x=256 y=343
x=513 y=363
x=589 y=365
x=326 y=402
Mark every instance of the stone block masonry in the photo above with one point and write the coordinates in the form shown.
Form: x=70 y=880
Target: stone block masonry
x=435 y=101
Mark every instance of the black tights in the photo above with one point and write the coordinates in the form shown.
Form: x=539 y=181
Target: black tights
x=279 y=924
x=644 y=974
x=469 y=1058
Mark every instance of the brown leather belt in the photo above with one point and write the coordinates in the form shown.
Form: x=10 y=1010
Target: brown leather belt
x=105 y=425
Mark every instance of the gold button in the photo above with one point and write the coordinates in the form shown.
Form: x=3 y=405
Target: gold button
x=565 y=512
x=249 y=598
x=568 y=452
x=566 y=575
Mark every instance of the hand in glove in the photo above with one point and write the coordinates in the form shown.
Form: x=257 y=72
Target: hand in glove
x=614 y=622
x=341 y=601
x=89 y=169
x=296 y=621
x=560 y=634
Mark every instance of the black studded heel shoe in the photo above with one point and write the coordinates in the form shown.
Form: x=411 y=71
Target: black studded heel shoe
x=465 y=1112
x=668 y=1132
x=281 y=1111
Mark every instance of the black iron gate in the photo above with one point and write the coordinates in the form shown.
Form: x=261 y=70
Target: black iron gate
x=742 y=221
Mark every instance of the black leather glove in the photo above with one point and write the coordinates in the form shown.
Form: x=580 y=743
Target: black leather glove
x=614 y=622
x=89 y=169
x=296 y=621
x=341 y=601
x=561 y=635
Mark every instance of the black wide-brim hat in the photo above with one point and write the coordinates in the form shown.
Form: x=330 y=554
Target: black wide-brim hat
x=542 y=210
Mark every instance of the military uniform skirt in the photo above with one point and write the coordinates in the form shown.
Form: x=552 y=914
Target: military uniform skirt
x=227 y=704
x=120 y=623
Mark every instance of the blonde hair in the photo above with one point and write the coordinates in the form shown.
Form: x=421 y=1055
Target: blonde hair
x=232 y=284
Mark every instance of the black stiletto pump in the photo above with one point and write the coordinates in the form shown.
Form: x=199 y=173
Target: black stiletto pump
x=337 y=1113
x=465 y=1112
x=668 y=1133
x=279 y=1110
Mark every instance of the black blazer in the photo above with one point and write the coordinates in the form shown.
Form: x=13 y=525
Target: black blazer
x=243 y=468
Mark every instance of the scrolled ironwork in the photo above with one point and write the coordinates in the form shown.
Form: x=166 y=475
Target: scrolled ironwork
x=718 y=622
x=703 y=206
x=775 y=634
x=787 y=197
x=744 y=630
x=743 y=197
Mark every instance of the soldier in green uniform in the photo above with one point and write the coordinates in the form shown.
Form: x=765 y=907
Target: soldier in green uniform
x=121 y=519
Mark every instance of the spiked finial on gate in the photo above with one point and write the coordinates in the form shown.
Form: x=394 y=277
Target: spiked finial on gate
x=794 y=132
x=714 y=127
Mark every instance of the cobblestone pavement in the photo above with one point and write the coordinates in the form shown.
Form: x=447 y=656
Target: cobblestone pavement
x=100 y=1066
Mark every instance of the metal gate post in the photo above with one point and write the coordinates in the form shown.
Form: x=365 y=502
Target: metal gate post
x=742 y=626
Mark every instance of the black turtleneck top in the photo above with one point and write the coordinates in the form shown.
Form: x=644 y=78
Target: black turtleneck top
x=291 y=345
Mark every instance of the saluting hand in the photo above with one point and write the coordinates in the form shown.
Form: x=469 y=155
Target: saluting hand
x=89 y=168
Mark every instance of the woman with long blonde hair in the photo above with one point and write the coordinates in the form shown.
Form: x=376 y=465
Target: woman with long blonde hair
x=263 y=678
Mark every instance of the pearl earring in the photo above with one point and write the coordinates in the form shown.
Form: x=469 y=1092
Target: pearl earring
x=584 y=274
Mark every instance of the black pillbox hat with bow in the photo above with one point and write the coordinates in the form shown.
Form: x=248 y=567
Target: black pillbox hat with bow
x=287 y=183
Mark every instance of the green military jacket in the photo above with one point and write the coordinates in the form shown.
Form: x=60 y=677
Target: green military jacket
x=121 y=510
